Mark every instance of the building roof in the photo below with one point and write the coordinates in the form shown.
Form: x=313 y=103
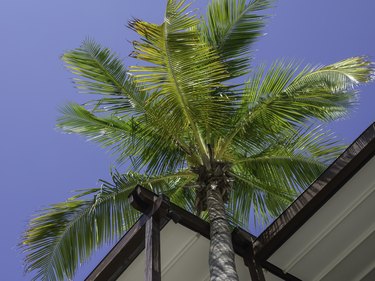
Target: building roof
x=326 y=234
x=330 y=224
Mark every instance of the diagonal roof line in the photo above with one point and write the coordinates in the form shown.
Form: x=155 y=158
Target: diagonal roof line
x=316 y=195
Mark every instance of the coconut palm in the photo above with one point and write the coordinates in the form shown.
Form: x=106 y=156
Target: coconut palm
x=188 y=127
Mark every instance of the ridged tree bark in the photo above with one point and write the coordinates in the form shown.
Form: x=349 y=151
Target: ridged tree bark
x=221 y=256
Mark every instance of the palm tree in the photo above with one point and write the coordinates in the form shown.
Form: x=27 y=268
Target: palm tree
x=189 y=129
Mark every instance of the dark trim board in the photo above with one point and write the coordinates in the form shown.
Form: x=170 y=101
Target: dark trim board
x=170 y=210
x=278 y=272
x=121 y=255
x=152 y=248
x=244 y=241
x=314 y=197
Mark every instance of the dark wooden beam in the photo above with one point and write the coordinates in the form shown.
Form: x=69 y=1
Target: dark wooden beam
x=155 y=208
x=152 y=247
x=279 y=273
x=188 y=220
x=122 y=254
x=256 y=271
x=144 y=200
x=243 y=245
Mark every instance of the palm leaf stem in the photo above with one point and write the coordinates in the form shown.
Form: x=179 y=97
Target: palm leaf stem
x=201 y=146
x=268 y=158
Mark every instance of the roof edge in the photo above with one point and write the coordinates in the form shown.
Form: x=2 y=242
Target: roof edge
x=316 y=195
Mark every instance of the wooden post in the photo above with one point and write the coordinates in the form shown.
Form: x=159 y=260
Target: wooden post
x=243 y=243
x=152 y=248
x=256 y=271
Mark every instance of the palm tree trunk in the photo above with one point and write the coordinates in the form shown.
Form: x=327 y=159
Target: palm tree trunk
x=221 y=255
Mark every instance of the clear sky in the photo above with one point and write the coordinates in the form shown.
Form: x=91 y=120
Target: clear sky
x=39 y=165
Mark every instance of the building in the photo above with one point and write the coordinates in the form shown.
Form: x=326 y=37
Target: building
x=327 y=234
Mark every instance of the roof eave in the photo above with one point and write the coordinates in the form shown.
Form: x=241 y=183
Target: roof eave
x=316 y=195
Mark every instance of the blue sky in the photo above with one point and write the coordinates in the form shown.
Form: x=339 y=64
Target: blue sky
x=40 y=165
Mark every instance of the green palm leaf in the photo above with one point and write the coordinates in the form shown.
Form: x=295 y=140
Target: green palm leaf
x=231 y=28
x=281 y=98
x=128 y=139
x=65 y=234
x=102 y=72
x=185 y=72
x=278 y=170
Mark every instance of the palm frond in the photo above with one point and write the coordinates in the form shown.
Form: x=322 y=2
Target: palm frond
x=232 y=26
x=281 y=98
x=312 y=142
x=133 y=139
x=274 y=173
x=239 y=204
x=266 y=197
x=102 y=72
x=336 y=77
x=65 y=234
x=106 y=130
x=184 y=71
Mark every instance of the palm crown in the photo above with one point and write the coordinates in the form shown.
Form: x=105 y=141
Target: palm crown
x=183 y=117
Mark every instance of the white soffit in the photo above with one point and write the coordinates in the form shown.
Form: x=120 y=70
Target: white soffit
x=184 y=257
x=338 y=242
